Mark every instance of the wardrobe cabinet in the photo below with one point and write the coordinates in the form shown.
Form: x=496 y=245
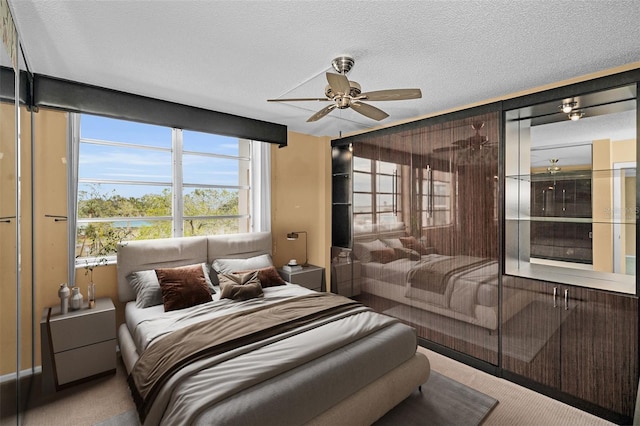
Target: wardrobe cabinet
x=578 y=341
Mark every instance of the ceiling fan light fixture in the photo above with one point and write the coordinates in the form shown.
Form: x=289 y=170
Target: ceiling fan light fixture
x=553 y=168
x=576 y=115
x=567 y=107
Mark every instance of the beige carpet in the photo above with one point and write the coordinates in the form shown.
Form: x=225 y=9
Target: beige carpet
x=101 y=399
x=518 y=406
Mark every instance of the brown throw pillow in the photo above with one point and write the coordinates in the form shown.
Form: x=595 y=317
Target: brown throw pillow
x=408 y=253
x=183 y=287
x=383 y=256
x=413 y=244
x=240 y=286
x=269 y=277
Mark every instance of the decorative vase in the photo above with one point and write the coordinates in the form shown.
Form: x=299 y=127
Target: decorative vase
x=63 y=294
x=75 y=302
x=91 y=295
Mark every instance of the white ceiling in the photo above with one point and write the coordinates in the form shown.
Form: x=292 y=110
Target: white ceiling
x=231 y=56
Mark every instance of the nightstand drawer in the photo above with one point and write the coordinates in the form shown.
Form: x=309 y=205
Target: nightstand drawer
x=311 y=280
x=82 y=330
x=346 y=278
x=86 y=361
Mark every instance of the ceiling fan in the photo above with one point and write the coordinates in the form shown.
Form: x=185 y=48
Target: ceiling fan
x=348 y=94
x=474 y=142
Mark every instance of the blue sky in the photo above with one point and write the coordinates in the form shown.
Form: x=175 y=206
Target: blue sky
x=134 y=164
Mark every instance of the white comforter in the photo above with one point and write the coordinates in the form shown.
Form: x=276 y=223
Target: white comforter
x=220 y=381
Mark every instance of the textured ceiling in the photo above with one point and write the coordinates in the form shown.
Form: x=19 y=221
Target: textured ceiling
x=231 y=56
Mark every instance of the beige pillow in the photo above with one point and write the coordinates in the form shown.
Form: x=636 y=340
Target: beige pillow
x=268 y=277
x=363 y=250
x=240 y=286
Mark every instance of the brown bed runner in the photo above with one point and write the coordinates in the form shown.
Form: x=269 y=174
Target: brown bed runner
x=209 y=338
x=434 y=276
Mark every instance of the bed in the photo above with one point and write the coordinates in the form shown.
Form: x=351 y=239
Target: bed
x=288 y=356
x=400 y=268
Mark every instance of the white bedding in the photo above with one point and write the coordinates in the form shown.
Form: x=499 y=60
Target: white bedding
x=394 y=272
x=221 y=380
x=148 y=324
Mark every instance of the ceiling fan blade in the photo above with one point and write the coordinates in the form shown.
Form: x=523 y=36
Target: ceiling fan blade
x=297 y=99
x=339 y=83
x=324 y=111
x=369 y=111
x=391 y=95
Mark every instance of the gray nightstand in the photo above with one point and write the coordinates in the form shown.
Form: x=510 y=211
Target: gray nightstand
x=345 y=278
x=78 y=345
x=311 y=277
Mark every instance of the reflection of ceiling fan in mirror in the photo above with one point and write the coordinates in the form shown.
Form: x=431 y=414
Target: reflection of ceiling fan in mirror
x=475 y=142
x=348 y=94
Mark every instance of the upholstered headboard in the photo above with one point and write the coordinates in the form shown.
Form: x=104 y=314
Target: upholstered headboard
x=143 y=255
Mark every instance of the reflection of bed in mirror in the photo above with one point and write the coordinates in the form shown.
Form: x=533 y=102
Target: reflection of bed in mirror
x=403 y=269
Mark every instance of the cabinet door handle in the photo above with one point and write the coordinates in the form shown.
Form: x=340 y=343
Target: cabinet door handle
x=564 y=202
x=566 y=300
x=555 y=297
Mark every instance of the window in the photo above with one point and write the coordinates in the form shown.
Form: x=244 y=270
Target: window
x=435 y=187
x=376 y=191
x=141 y=181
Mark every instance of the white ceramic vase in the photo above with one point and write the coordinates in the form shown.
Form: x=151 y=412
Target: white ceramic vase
x=63 y=294
x=75 y=301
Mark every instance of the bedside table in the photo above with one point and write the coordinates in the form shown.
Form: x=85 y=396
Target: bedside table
x=345 y=278
x=78 y=345
x=311 y=277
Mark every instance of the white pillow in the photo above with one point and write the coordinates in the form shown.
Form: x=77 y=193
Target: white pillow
x=147 y=288
x=363 y=250
x=228 y=266
x=393 y=242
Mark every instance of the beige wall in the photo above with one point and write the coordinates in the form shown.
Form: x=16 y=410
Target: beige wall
x=301 y=199
x=605 y=154
x=8 y=244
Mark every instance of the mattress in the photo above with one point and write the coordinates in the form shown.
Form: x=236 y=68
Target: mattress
x=271 y=383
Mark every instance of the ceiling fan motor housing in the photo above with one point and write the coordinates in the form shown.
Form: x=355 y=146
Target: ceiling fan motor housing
x=343 y=64
x=353 y=92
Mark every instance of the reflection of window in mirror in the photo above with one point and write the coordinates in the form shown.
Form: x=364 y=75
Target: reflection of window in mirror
x=570 y=190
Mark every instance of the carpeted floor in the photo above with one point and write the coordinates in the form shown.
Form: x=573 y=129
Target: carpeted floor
x=442 y=400
x=108 y=398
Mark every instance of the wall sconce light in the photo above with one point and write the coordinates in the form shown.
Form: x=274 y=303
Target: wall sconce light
x=576 y=115
x=292 y=236
x=567 y=107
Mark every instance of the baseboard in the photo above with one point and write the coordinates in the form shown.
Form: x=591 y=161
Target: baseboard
x=12 y=377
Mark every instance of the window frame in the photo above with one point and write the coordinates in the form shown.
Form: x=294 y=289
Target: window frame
x=374 y=174
x=177 y=185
